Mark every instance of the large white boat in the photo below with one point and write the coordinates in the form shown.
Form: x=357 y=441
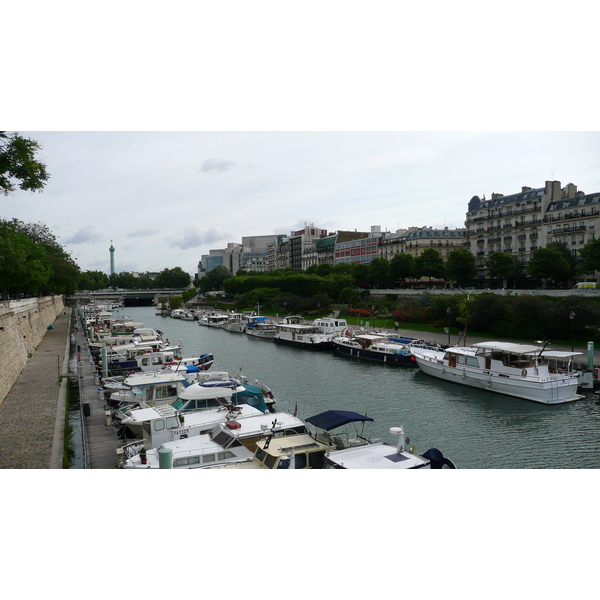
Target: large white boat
x=214 y=319
x=520 y=370
x=236 y=323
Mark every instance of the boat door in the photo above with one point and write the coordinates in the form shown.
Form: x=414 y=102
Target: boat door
x=452 y=359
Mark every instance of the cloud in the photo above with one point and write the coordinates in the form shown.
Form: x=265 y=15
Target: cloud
x=143 y=233
x=192 y=238
x=217 y=164
x=84 y=236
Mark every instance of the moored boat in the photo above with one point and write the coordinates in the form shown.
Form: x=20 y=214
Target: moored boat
x=520 y=370
x=375 y=347
x=261 y=327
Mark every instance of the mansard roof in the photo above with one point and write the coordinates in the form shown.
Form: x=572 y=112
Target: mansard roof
x=573 y=203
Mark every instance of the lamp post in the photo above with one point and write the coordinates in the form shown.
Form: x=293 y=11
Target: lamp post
x=572 y=317
x=448 y=311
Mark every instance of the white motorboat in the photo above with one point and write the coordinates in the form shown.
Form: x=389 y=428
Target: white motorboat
x=261 y=327
x=236 y=323
x=520 y=370
x=339 y=442
x=229 y=432
x=215 y=319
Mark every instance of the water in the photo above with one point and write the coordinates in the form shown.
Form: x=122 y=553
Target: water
x=475 y=428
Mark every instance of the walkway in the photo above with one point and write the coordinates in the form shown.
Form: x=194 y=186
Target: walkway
x=32 y=416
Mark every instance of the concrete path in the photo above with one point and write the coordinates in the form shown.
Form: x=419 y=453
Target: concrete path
x=32 y=416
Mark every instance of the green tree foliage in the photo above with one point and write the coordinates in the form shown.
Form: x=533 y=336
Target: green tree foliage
x=429 y=264
x=55 y=273
x=379 y=272
x=549 y=263
x=173 y=278
x=19 y=164
x=215 y=279
x=460 y=266
x=92 y=280
x=501 y=265
x=590 y=257
x=402 y=267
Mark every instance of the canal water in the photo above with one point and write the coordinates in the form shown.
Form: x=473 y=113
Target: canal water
x=475 y=428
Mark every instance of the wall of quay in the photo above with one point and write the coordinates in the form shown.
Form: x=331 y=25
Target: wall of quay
x=23 y=324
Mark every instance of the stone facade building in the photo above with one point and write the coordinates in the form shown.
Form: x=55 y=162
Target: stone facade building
x=530 y=219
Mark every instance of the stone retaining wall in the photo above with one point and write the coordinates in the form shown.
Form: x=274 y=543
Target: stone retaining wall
x=23 y=324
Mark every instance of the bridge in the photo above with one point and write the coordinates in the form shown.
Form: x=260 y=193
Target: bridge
x=128 y=297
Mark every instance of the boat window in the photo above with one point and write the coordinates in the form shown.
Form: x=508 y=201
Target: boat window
x=225 y=455
x=269 y=461
x=178 y=404
x=300 y=461
x=173 y=423
x=472 y=361
x=316 y=460
x=208 y=458
x=159 y=425
x=183 y=462
x=221 y=438
x=460 y=359
x=260 y=454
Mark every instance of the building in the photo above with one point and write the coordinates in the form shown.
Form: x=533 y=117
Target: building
x=530 y=219
x=301 y=241
x=443 y=240
x=361 y=249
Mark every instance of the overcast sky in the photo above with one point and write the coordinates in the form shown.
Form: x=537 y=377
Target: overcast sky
x=164 y=198
x=190 y=130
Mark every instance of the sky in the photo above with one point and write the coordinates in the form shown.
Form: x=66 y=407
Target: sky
x=187 y=132
x=163 y=199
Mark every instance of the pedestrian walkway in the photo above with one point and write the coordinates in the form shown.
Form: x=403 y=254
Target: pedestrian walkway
x=32 y=416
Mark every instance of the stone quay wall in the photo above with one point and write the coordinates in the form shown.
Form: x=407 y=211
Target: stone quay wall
x=23 y=324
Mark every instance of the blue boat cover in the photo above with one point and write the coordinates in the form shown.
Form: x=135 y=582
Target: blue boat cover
x=330 y=419
x=192 y=369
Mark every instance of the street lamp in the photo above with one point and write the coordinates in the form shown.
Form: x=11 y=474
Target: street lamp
x=448 y=311
x=572 y=317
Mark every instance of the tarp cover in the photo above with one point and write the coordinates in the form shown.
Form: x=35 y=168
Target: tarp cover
x=330 y=419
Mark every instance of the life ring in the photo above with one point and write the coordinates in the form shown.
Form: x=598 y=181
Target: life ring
x=524 y=372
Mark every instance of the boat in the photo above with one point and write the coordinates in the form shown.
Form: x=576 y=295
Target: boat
x=214 y=319
x=194 y=397
x=236 y=323
x=260 y=327
x=523 y=371
x=228 y=432
x=157 y=361
x=341 y=442
x=293 y=330
x=375 y=347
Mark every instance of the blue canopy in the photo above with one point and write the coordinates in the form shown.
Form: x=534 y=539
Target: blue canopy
x=330 y=419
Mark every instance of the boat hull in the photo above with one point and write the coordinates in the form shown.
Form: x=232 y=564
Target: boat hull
x=552 y=391
x=304 y=343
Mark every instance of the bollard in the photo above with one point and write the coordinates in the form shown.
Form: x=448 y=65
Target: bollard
x=87 y=411
x=165 y=458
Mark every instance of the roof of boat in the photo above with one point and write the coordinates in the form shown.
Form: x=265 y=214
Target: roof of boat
x=330 y=419
x=198 y=391
x=154 y=378
x=253 y=425
x=375 y=456
x=199 y=417
x=509 y=347
x=283 y=445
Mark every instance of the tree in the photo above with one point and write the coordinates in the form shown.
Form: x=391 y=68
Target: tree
x=549 y=263
x=566 y=253
x=460 y=265
x=402 y=267
x=502 y=265
x=590 y=257
x=379 y=272
x=173 y=278
x=18 y=163
x=214 y=279
x=429 y=264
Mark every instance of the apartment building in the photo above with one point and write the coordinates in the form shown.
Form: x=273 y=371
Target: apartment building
x=416 y=239
x=530 y=219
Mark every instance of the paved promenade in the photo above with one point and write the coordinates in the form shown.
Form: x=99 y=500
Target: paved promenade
x=32 y=414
